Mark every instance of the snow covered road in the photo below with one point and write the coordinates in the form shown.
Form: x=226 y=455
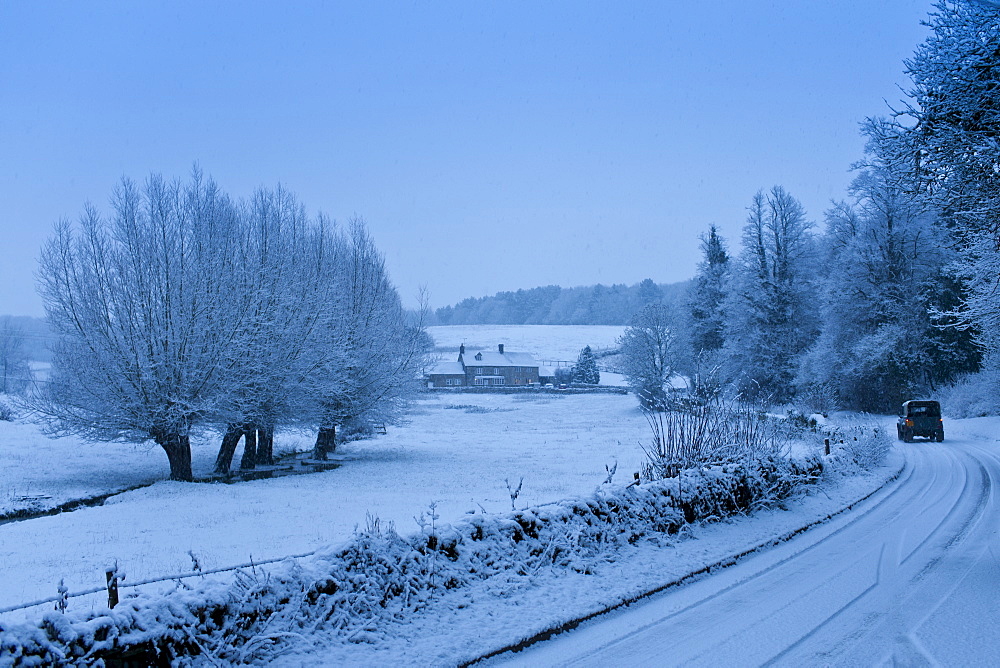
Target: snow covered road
x=911 y=577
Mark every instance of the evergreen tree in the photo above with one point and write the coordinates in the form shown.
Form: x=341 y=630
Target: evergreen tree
x=649 y=293
x=585 y=370
x=705 y=300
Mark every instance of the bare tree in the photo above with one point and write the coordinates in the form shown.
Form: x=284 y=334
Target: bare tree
x=648 y=352
x=381 y=350
x=146 y=304
x=285 y=347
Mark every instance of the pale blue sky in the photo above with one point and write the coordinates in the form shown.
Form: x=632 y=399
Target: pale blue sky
x=490 y=146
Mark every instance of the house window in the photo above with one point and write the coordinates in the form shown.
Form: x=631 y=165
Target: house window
x=496 y=372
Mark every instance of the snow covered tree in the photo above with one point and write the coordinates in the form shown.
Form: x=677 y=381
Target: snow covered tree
x=15 y=372
x=585 y=370
x=649 y=293
x=772 y=311
x=145 y=304
x=380 y=348
x=183 y=309
x=705 y=306
x=288 y=267
x=648 y=354
x=878 y=251
x=943 y=144
x=707 y=295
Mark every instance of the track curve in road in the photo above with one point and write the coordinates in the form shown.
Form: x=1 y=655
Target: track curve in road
x=911 y=577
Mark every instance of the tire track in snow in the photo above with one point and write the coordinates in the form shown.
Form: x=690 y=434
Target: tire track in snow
x=843 y=592
x=889 y=488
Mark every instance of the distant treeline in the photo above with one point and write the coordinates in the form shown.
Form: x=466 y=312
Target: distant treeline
x=554 y=305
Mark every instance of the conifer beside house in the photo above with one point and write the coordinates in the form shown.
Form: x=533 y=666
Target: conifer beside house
x=585 y=370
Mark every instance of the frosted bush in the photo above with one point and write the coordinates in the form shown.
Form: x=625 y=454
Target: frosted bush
x=690 y=433
x=859 y=444
x=973 y=395
x=8 y=408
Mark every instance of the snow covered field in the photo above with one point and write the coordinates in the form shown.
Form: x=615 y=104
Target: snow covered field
x=456 y=450
x=545 y=342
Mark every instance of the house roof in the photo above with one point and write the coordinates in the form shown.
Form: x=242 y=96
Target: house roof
x=493 y=358
x=447 y=368
x=678 y=382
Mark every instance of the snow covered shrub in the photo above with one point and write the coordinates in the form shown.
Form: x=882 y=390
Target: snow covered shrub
x=356 y=429
x=8 y=413
x=688 y=433
x=860 y=444
x=973 y=395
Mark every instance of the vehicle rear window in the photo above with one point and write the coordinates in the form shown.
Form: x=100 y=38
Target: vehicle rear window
x=925 y=409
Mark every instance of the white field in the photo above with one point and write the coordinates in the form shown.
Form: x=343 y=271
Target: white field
x=456 y=456
x=545 y=342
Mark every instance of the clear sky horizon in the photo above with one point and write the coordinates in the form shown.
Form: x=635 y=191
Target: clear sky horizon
x=489 y=146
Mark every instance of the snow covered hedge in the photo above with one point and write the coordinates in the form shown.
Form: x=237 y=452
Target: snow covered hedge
x=357 y=590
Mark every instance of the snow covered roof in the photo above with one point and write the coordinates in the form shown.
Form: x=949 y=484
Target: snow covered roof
x=678 y=383
x=494 y=358
x=442 y=368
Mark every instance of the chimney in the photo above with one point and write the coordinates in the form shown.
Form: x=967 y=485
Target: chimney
x=501 y=348
x=461 y=349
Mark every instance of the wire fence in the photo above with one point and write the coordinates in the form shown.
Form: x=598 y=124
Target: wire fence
x=114 y=583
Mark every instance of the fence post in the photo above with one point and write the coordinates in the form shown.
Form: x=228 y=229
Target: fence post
x=63 y=601
x=111 y=573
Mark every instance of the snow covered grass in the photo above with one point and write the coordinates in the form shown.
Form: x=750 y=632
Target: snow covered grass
x=858 y=443
x=443 y=477
x=38 y=472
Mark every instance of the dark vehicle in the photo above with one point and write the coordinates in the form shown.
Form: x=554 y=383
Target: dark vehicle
x=920 y=418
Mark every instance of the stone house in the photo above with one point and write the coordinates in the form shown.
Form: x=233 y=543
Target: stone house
x=486 y=368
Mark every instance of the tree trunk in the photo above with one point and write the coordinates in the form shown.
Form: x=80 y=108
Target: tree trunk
x=231 y=439
x=249 y=460
x=178 y=449
x=326 y=442
x=265 y=446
